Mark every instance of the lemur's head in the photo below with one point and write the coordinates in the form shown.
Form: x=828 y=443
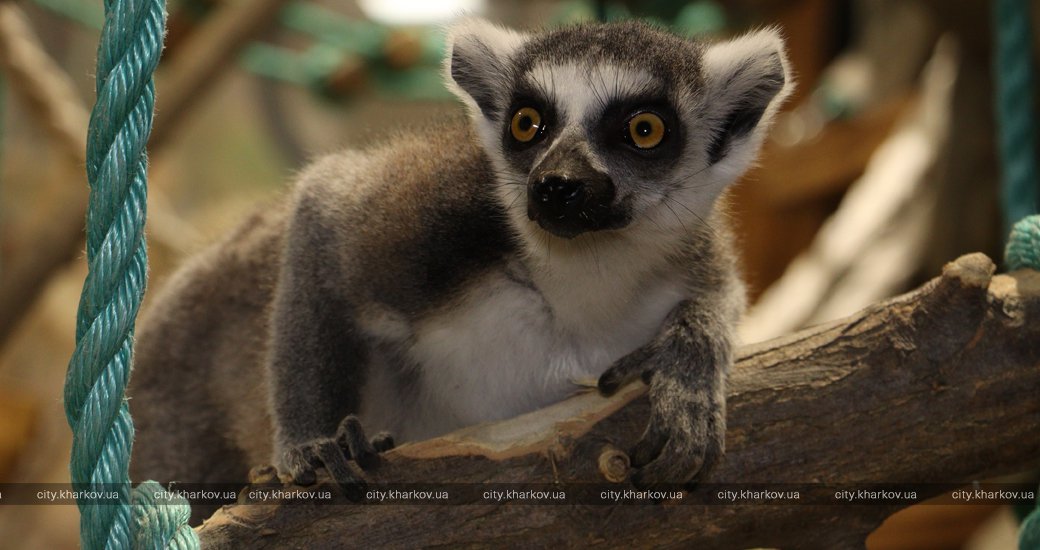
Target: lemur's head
x=596 y=127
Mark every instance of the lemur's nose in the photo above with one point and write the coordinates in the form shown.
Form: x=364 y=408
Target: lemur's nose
x=558 y=193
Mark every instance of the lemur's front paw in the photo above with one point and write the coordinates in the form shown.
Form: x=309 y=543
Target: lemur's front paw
x=333 y=454
x=686 y=433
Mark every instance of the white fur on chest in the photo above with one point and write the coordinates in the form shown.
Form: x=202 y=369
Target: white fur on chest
x=506 y=348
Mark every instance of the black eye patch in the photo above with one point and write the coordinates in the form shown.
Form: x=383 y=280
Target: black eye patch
x=518 y=153
x=526 y=97
x=612 y=127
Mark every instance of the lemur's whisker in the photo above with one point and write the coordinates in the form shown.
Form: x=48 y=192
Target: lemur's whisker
x=700 y=219
x=678 y=219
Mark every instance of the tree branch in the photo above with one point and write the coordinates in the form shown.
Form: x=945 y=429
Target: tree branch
x=193 y=71
x=938 y=385
x=51 y=97
x=49 y=92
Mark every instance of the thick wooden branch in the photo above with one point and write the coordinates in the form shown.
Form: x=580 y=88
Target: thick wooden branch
x=939 y=385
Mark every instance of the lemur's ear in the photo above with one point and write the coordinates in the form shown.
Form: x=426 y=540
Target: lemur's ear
x=478 y=62
x=747 y=79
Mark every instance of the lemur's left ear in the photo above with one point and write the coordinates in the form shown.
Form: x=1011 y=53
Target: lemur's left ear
x=478 y=61
x=747 y=79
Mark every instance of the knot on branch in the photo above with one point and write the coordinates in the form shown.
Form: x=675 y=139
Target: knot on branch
x=614 y=464
x=960 y=292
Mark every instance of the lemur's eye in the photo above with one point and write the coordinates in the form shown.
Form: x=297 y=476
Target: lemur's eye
x=646 y=130
x=526 y=124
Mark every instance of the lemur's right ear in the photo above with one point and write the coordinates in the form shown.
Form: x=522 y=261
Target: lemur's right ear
x=747 y=79
x=477 y=65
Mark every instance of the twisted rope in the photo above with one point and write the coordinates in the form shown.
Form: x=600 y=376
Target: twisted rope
x=1023 y=247
x=1016 y=123
x=161 y=522
x=95 y=402
x=1014 y=66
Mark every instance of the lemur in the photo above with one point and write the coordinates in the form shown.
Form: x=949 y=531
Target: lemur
x=471 y=271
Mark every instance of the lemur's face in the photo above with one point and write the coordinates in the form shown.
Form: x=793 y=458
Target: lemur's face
x=598 y=127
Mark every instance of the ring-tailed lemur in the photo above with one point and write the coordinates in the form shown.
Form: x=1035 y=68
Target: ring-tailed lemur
x=472 y=271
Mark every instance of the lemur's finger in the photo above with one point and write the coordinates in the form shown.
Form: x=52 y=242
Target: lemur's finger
x=689 y=453
x=351 y=438
x=674 y=465
x=300 y=466
x=649 y=446
x=331 y=455
x=624 y=370
x=383 y=442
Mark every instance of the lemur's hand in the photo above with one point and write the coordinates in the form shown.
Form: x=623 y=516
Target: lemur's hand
x=333 y=453
x=685 y=367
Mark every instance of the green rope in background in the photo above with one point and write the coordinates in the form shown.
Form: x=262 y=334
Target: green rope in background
x=1023 y=247
x=95 y=402
x=1016 y=123
x=1015 y=109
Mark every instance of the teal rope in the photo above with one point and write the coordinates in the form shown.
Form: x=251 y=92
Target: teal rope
x=1015 y=109
x=1029 y=535
x=95 y=402
x=1016 y=122
x=1023 y=247
x=161 y=522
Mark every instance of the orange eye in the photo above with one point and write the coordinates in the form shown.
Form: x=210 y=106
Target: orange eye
x=526 y=124
x=646 y=130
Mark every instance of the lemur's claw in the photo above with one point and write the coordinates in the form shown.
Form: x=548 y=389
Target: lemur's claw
x=335 y=453
x=685 y=436
x=299 y=463
x=686 y=432
x=383 y=442
x=352 y=441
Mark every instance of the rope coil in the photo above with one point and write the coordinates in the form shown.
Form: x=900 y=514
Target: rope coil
x=161 y=523
x=1023 y=247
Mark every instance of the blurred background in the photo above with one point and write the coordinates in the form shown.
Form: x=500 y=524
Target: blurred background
x=882 y=168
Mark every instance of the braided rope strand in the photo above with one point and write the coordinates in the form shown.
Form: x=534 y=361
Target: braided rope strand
x=1023 y=247
x=95 y=402
x=160 y=522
